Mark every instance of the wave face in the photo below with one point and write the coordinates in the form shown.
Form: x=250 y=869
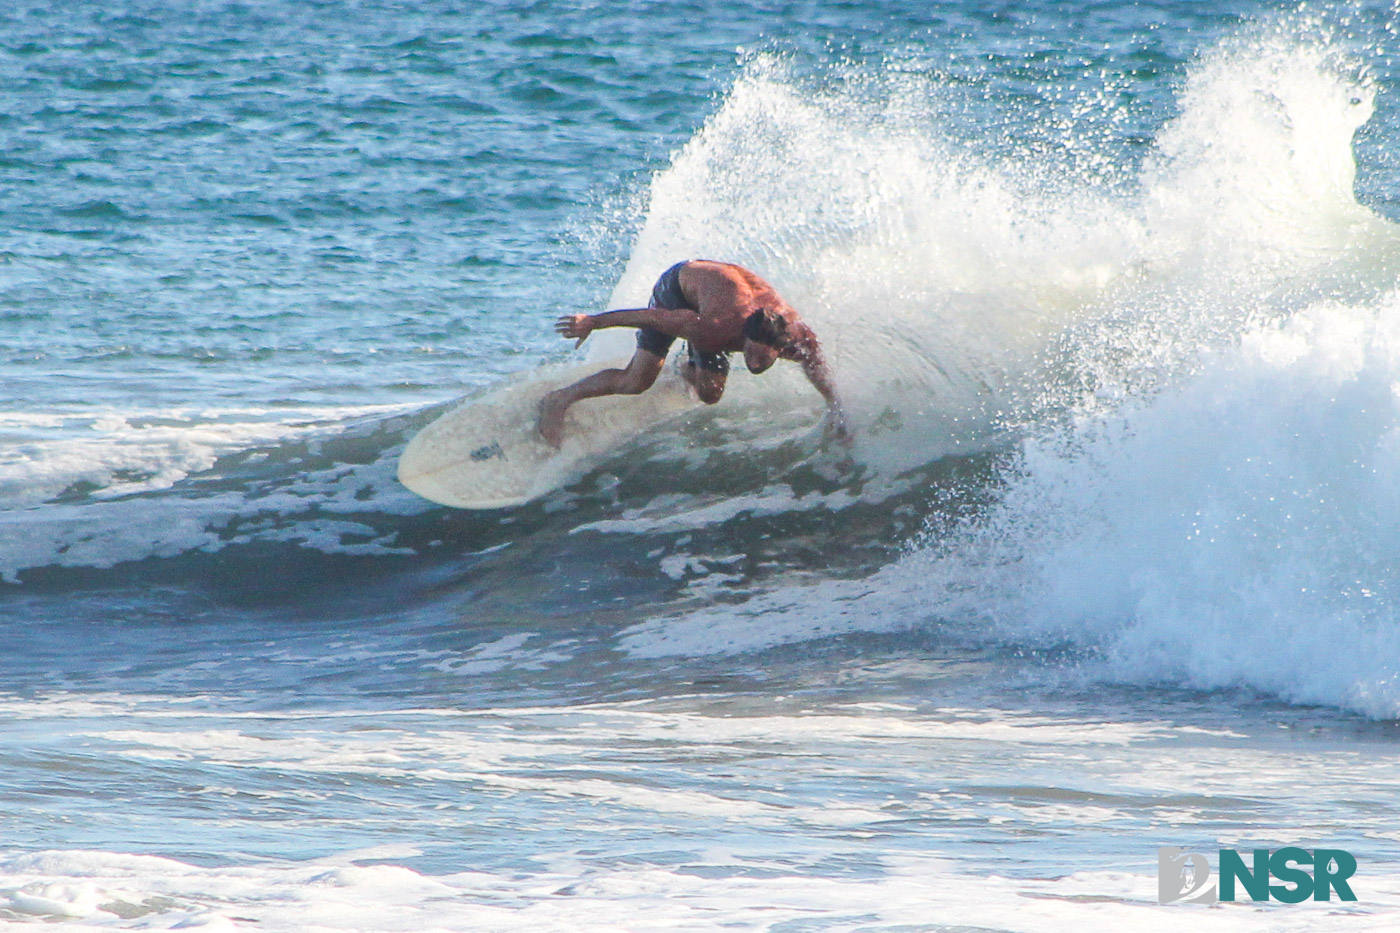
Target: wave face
x=1120 y=374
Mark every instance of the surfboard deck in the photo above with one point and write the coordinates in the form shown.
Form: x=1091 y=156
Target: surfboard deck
x=486 y=454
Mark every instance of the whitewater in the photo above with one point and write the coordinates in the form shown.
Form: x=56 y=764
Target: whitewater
x=1111 y=297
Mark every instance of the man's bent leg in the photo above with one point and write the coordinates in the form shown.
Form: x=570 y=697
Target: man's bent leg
x=707 y=374
x=708 y=385
x=639 y=375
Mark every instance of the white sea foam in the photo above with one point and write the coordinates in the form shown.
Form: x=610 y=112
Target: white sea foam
x=778 y=848
x=672 y=513
x=1228 y=527
x=1233 y=530
x=74 y=890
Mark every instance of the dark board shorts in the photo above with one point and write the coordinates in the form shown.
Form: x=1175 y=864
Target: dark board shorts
x=667 y=294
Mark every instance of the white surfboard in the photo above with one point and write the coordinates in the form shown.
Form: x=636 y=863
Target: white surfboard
x=486 y=453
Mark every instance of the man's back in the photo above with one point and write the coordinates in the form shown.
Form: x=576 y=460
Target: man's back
x=723 y=296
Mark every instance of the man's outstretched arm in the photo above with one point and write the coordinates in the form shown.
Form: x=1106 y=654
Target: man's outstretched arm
x=673 y=322
x=808 y=353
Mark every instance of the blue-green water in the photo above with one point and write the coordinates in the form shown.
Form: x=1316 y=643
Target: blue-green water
x=1110 y=292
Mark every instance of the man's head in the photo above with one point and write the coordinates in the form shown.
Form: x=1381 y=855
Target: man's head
x=765 y=336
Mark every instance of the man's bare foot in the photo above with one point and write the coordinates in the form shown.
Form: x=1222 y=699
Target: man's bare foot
x=551 y=423
x=834 y=427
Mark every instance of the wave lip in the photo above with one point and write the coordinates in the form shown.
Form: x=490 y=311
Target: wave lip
x=111 y=454
x=88 y=491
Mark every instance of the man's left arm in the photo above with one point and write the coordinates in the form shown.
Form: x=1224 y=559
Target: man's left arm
x=807 y=352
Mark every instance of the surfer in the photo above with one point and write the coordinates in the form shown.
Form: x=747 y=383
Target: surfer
x=717 y=308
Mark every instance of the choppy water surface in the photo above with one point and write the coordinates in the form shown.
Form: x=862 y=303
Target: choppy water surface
x=1111 y=294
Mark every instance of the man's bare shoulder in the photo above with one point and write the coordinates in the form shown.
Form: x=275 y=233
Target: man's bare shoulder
x=707 y=268
x=744 y=282
x=711 y=264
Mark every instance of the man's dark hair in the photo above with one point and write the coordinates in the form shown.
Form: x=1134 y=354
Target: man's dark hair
x=766 y=327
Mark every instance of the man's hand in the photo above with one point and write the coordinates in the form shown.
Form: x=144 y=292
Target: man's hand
x=575 y=326
x=835 y=425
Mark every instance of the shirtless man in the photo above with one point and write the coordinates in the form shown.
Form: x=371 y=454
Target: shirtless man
x=718 y=309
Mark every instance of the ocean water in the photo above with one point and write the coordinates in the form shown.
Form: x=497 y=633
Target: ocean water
x=1112 y=293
